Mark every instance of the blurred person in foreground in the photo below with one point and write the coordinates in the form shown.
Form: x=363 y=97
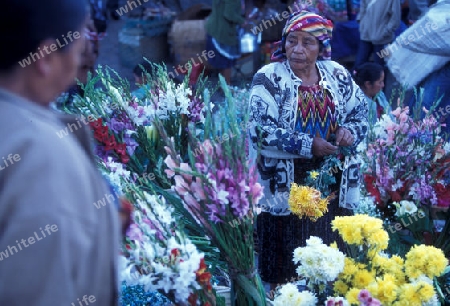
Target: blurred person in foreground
x=56 y=248
x=420 y=58
x=302 y=107
x=87 y=66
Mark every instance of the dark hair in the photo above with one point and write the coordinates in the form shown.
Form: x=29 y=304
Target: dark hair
x=368 y=72
x=143 y=68
x=25 y=24
x=431 y=2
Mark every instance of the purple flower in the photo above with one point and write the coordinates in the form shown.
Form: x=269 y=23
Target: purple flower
x=116 y=125
x=131 y=143
x=100 y=152
x=195 y=109
x=134 y=232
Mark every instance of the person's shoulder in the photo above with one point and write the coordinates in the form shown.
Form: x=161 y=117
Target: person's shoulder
x=332 y=66
x=272 y=67
x=40 y=136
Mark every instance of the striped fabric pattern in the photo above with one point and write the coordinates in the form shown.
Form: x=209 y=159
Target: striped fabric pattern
x=318 y=26
x=316 y=114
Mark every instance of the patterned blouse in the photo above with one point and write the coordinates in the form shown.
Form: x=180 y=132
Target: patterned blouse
x=316 y=113
x=316 y=116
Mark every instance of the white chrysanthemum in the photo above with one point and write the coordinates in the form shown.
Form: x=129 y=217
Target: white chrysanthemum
x=288 y=290
x=313 y=240
x=319 y=262
x=307 y=298
x=298 y=253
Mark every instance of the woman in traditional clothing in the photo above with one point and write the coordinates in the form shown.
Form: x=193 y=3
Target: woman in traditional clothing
x=303 y=107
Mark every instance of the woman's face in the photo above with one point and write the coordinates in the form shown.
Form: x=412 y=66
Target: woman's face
x=302 y=50
x=372 y=89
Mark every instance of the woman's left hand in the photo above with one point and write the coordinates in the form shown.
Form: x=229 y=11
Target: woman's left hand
x=343 y=137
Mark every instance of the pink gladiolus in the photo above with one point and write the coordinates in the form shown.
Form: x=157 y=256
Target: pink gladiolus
x=186 y=168
x=134 y=232
x=180 y=185
x=396 y=112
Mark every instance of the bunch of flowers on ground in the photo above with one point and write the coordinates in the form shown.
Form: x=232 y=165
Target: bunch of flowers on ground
x=406 y=171
x=123 y=123
x=218 y=187
x=407 y=160
x=159 y=256
x=367 y=275
x=320 y=265
x=392 y=280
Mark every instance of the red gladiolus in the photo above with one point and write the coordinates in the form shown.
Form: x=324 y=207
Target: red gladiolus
x=175 y=253
x=203 y=277
x=96 y=124
x=443 y=195
x=121 y=148
x=395 y=196
x=101 y=133
x=192 y=299
x=110 y=143
x=125 y=158
x=372 y=189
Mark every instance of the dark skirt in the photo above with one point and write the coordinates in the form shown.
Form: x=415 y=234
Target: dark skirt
x=219 y=61
x=279 y=236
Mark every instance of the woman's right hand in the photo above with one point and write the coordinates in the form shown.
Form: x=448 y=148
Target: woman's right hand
x=321 y=147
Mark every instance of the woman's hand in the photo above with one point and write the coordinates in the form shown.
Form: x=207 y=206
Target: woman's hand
x=344 y=138
x=321 y=147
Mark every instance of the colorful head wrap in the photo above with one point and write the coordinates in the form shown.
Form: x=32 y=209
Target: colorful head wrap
x=321 y=28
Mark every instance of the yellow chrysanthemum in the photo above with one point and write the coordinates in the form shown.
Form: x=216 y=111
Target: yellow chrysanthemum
x=350 y=269
x=362 y=279
x=393 y=266
x=416 y=293
x=340 y=287
x=425 y=260
x=384 y=289
x=426 y=291
x=305 y=201
x=379 y=239
x=352 y=296
x=359 y=229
